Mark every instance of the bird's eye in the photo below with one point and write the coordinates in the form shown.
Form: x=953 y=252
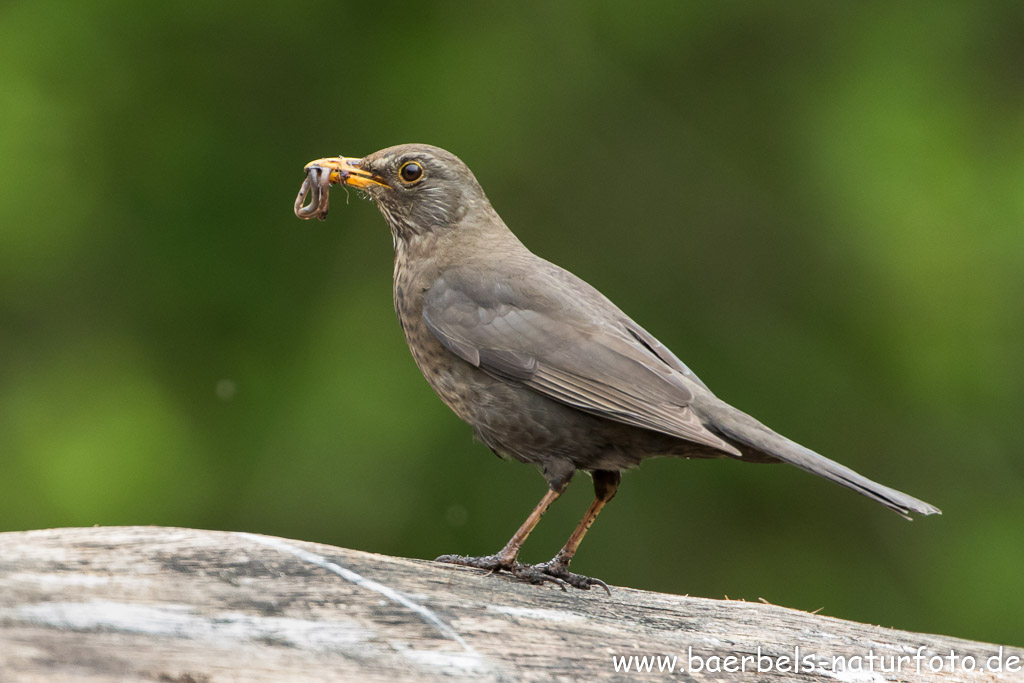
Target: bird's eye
x=410 y=172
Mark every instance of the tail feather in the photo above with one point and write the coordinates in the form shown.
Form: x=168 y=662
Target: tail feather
x=755 y=439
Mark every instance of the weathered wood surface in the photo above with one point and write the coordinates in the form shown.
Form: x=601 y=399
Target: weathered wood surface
x=163 y=604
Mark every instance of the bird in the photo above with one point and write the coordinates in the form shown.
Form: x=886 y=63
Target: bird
x=544 y=368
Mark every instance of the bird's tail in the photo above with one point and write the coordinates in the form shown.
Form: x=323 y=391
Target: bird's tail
x=760 y=442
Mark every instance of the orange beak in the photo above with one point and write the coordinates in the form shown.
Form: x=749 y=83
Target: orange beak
x=346 y=170
x=323 y=173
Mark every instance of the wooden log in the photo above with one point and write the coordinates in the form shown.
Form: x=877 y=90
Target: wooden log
x=191 y=606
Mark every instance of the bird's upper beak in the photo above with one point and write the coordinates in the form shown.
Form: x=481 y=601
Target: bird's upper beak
x=346 y=170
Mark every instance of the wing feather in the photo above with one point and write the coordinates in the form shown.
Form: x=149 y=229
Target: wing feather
x=608 y=370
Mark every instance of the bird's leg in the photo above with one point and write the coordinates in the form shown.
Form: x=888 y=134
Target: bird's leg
x=606 y=483
x=506 y=558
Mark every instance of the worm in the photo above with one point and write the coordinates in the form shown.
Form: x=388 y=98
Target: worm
x=317 y=185
x=303 y=191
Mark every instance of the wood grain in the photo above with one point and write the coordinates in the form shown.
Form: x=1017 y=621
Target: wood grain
x=192 y=606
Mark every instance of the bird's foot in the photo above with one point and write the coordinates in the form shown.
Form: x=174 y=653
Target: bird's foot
x=496 y=563
x=553 y=571
x=560 y=570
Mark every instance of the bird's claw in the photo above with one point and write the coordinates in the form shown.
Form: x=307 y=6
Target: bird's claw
x=495 y=563
x=546 y=572
x=560 y=571
x=531 y=574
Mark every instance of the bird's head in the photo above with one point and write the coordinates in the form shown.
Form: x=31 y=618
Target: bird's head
x=418 y=188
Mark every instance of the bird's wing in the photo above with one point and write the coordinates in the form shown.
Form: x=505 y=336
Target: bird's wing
x=600 y=367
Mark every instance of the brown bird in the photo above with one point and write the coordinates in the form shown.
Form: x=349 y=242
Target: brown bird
x=544 y=367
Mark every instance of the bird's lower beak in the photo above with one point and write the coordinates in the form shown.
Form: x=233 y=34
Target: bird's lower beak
x=346 y=170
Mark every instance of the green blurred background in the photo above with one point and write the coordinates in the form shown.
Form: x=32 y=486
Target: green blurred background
x=818 y=206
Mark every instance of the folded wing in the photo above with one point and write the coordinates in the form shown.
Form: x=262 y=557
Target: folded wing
x=612 y=369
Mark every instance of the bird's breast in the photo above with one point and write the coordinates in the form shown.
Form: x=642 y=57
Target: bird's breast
x=450 y=377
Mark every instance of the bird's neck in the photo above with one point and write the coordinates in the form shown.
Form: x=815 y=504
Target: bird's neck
x=422 y=257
